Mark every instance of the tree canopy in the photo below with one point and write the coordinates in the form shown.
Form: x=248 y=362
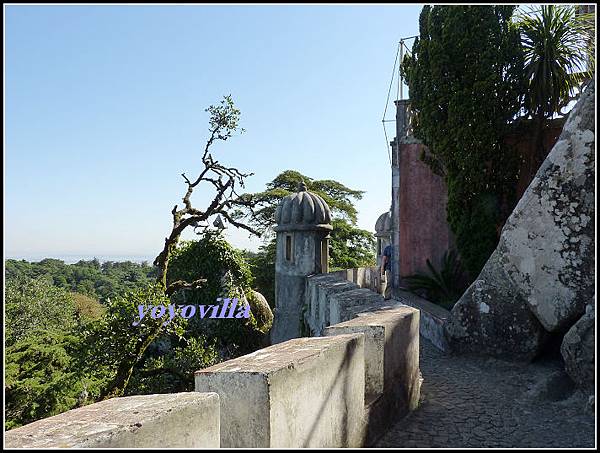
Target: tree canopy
x=465 y=77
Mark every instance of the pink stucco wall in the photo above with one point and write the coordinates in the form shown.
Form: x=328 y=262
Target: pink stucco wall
x=424 y=231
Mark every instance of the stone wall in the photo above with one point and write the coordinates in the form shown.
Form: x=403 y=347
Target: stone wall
x=305 y=392
x=432 y=318
x=364 y=277
x=179 y=420
x=392 y=377
x=333 y=298
x=423 y=232
x=343 y=388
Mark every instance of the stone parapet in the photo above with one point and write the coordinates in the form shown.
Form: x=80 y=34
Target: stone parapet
x=178 y=420
x=305 y=392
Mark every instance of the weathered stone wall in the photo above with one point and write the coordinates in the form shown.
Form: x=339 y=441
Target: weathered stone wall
x=331 y=298
x=290 y=283
x=392 y=379
x=364 y=277
x=432 y=318
x=179 y=420
x=541 y=276
x=372 y=357
x=305 y=392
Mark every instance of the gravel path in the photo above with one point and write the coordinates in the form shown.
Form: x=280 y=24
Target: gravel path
x=471 y=401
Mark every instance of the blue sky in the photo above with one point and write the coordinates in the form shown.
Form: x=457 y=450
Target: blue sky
x=104 y=109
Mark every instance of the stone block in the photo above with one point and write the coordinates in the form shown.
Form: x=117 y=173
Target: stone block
x=577 y=350
x=319 y=289
x=432 y=318
x=305 y=392
x=392 y=378
x=344 y=306
x=178 y=420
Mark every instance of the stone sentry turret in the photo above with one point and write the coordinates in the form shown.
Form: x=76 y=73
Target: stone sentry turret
x=303 y=225
x=383 y=233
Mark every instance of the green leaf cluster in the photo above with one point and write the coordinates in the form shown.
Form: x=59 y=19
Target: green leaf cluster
x=444 y=286
x=465 y=78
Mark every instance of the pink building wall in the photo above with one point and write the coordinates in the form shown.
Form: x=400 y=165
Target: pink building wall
x=423 y=229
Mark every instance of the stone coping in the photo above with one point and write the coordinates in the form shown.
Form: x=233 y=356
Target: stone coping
x=282 y=355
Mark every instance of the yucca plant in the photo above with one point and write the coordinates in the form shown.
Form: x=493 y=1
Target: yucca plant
x=443 y=287
x=558 y=47
x=557 y=44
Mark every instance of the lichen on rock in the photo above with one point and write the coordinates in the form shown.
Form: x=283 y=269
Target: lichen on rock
x=541 y=275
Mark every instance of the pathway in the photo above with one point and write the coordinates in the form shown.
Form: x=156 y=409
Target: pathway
x=482 y=402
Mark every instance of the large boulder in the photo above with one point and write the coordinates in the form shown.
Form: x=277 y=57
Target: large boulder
x=260 y=310
x=548 y=241
x=491 y=318
x=542 y=272
x=577 y=350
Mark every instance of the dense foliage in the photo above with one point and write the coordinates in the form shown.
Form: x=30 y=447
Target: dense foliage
x=91 y=278
x=35 y=305
x=66 y=349
x=558 y=46
x=262 y=266
x=465 y=77
x=441 y=285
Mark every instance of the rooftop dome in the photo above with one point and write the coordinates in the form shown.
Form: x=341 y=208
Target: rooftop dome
x=302 y=210
x=383 y=226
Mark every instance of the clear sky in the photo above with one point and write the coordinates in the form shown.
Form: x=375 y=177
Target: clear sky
x=104 y=109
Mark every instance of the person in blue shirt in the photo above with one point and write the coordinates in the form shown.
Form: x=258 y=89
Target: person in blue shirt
x=386 y=271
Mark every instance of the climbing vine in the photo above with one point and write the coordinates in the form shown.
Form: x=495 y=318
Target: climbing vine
x=465 y=77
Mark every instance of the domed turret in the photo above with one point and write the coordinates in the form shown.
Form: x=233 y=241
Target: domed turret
x=303 y=226
x=383 y=233
x=302 y=210
x=383 y=225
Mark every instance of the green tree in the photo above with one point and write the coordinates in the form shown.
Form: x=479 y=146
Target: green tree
x=262 y=266
x=223 y=180
x=350 y=247
x=40 y=377
x=558 y=48
x=35 y=305
x=112 y=346
x=227 y=275
x=86 y=277
x=170 y=361
x=465 y=78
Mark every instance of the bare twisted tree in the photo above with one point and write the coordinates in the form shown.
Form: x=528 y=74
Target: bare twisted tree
x=224 y=120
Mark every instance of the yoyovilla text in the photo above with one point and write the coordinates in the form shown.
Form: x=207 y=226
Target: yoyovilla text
x=227 y=310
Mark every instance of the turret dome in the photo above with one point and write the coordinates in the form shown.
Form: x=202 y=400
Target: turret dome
x=383 y=226
x=302 y=210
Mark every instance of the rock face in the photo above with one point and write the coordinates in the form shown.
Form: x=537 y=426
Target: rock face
x=491 y=318
x=261 y=311
x=541 y=275
x=577 y=350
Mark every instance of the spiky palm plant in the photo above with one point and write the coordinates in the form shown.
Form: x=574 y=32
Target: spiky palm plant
x=443 y=287
x=558 y=47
